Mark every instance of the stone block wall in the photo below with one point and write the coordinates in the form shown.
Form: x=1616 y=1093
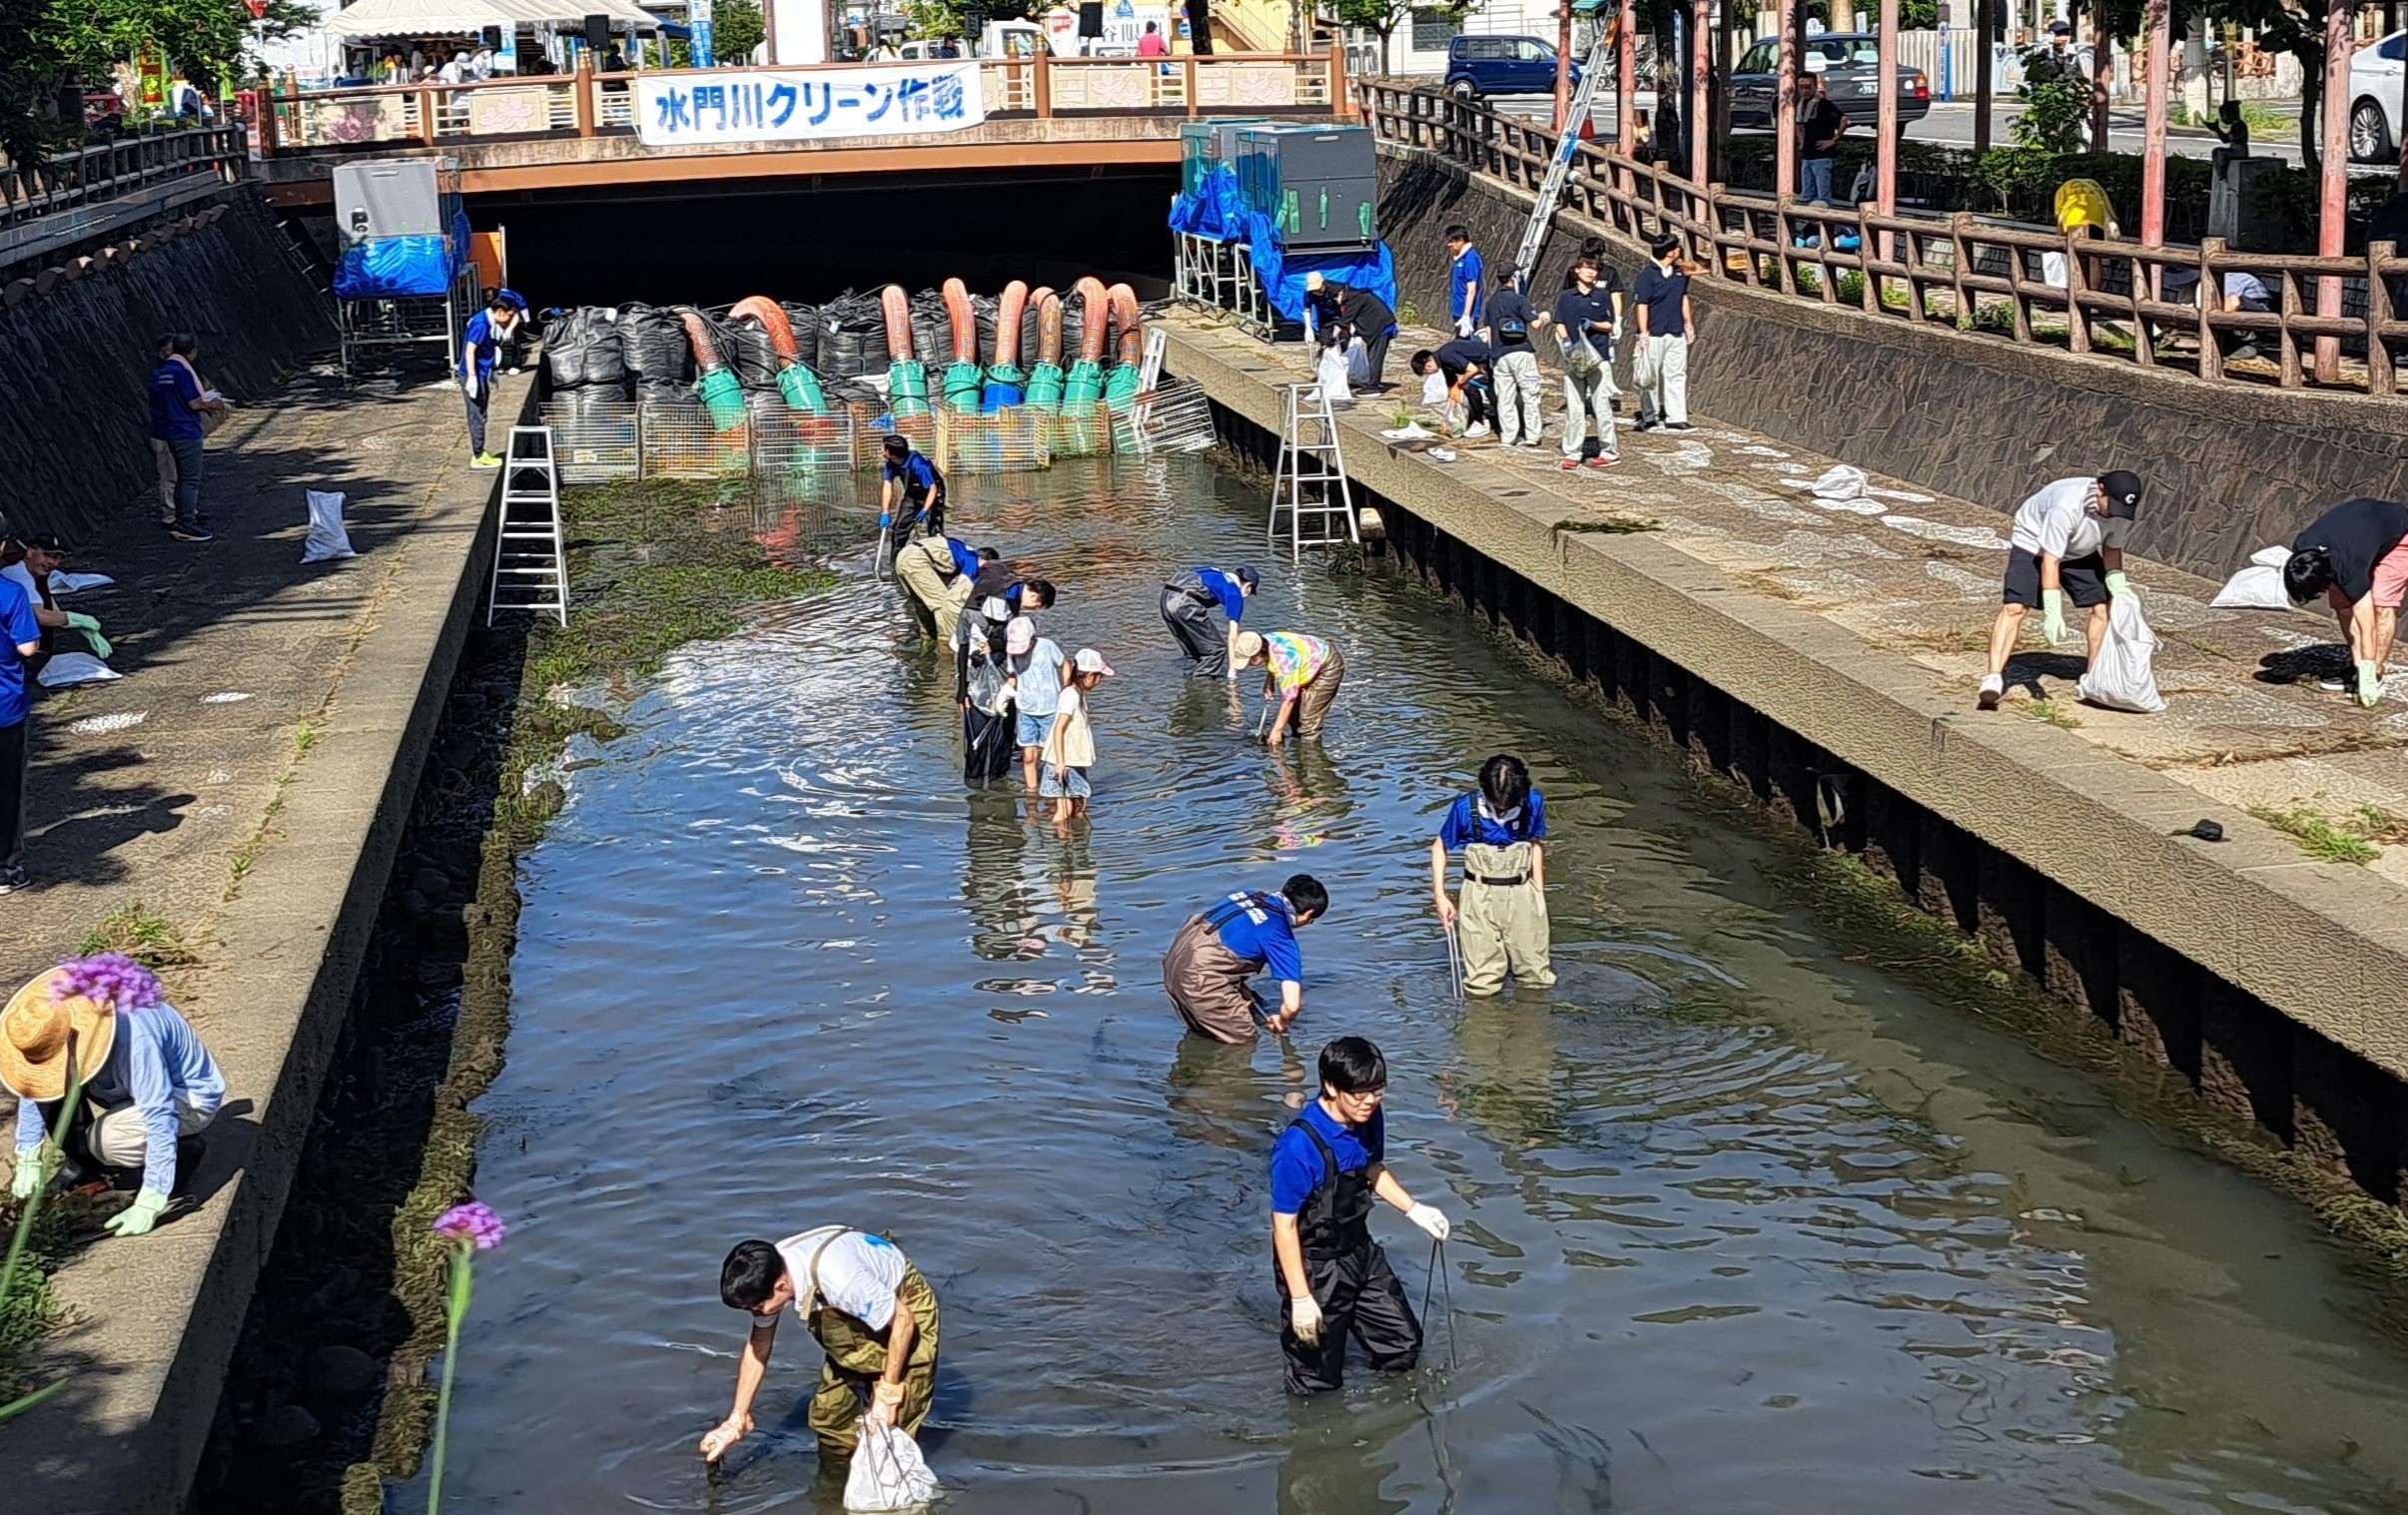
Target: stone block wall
x=77 y=336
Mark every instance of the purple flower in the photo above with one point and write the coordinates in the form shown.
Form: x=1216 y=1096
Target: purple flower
x=474 y=1221
x=111 y=979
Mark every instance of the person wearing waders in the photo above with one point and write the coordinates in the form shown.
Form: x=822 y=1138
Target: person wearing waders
x=1188 y=604
x=911 y=492
x=1305 y=672
x=982 y=685
x=1335 y=1281
x=870 y=1311
x=938 y=572
x=2066 y=540
x=1502 y=910
x=479 y=350
x=1206 y=970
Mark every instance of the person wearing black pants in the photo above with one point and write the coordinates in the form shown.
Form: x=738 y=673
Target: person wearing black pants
x=1335 y=1281
x=24 y=637
x=1188 y=604
x=979 y=679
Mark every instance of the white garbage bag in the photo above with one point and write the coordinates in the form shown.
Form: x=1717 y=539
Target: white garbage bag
x=1332 y=375
x=68 y=668
x=2259 y=586
x=1433 y=388
x=1358 y=362
x=1841 y=482
x=2053 y=269
x=888 y=1472
x=2123 y=677
x=328 y=539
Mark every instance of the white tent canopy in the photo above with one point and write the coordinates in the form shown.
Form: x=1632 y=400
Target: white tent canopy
x=429 y=18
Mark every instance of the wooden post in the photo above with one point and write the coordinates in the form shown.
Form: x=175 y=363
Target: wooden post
x=1985 y=87
x=1700 y=124
x=2212 y=296
x=2158 y=18
x=2380 y=379
x=1043 y=85
x=1187 y=65
x=426 y=115
x=1563 y=63
x=1342 y=101
x=1626 y=76
x=581 y=88
x=2331 y=227
x=2102 y=74
x=1785 y=112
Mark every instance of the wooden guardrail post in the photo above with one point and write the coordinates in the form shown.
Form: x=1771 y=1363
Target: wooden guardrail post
x=1041 y=84
x=2290 y=377
x=2211 y=298
x=1187 y=66
x=2380 y=378
x=426 y=115
x=1341 y=102
x=2077 y=283
x=581 y=92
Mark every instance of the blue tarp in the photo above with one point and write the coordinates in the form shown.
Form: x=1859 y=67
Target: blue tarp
x=1213 y=210
x=389 y=267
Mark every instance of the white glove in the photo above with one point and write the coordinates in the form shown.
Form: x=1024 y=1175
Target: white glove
x=1304 y=1318
x=1463 y=326
x=886 y=1403
x=1428 y=1217
x=29 y=1174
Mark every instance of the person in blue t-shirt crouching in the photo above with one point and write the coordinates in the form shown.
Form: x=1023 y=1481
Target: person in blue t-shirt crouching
x=1188 y=604
x=1335 y=1281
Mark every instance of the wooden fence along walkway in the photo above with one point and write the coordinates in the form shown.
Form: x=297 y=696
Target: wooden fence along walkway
x=2107 y=296
x=80 y=177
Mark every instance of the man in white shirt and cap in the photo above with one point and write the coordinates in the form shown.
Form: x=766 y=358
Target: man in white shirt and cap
x=869 y=1309
x=2068 y=539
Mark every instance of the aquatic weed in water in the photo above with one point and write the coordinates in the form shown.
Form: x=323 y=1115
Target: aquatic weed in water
x=470 y=1228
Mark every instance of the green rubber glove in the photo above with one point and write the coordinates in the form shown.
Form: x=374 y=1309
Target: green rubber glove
x=29 y=1174
x=2052 y=615
x=82 y=622
x=2370 y=683
x=2118 y=584
x=136 y=1219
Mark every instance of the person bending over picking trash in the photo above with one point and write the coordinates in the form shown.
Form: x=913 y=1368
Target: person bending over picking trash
x=2066 y=540
x=1335 y=1281
x=938 y=570
x=1305 y=672
x=1206 y=970
x=1501 y=832
x=910 y=491
x=870 y=1311
x=1188 y=604
x=2356 y=556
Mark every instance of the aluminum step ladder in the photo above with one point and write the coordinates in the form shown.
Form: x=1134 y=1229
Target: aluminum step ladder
x=530 y=566
x=1310 y=486
x=1559 y=169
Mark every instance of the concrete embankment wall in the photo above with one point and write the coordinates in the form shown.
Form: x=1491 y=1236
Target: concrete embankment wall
x=76 y=353
x=2231 y=469
x=2262 y=980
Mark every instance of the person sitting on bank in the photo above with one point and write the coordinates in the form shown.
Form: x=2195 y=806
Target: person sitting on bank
x=938 y=571
x=149 y=1087
x=1188 y=604
x=1210 y=961
x=481 y=346
x=2066 y=540
x=32 y=559
x=1465 y=364
x=869 y=1309
x=1502 y=833
x=1335 y=1281
x=1305 y=672
x=2356 y=556
x=911 y=492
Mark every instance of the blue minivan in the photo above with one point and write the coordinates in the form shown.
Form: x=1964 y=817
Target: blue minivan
x=1477 y=66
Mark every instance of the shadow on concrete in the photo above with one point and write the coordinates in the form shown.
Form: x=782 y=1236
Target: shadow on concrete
x=2302 y=665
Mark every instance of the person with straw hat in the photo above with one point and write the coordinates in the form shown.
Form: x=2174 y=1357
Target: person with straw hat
x=148 y=1086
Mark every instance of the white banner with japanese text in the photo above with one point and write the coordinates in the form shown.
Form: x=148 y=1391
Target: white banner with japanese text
x=806 y=105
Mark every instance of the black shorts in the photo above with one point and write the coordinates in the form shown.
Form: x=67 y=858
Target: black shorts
x=2085 y=579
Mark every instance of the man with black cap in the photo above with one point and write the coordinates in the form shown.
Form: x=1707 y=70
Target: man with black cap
x=1188 y=604
x=2066 y=540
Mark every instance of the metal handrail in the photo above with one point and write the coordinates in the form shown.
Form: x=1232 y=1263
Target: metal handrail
x=1959 y=270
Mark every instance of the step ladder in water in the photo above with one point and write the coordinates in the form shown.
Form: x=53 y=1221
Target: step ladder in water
x=1311 y=482
x=530 y=567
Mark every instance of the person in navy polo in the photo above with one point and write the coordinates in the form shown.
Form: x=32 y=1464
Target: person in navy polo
x=22 y=636
x=1335 y=1281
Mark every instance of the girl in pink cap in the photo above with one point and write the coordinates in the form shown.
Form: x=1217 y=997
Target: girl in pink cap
x=1069 y=748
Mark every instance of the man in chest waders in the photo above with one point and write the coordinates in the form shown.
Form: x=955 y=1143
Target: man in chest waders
x=869 y=1309
x=1502 y=834
x=938 y=571
x=1188 y=604
x=1206 y=970
x=1335 y=1281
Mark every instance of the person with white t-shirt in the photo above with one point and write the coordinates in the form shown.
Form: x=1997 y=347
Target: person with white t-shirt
x=2066 y=540
x=870 y=1311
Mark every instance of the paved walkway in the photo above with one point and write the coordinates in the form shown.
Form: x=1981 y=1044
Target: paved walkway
x=1919 y=575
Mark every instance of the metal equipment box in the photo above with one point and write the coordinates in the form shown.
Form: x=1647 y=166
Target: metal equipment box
x=1203 y=144
x=394 y=197
x=1318 y=184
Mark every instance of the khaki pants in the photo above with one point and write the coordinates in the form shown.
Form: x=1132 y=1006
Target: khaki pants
x=1207 y=983
x=856 y=1358
x=163 y=459
x=1661 y=370
x=1585 y=393
x=1501 y=926
x=942 y=600
x=1314 y=699
x=1520 y=393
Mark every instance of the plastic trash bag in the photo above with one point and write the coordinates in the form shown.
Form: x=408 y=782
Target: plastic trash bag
x=63 y=582
x=67 y=668
x=1841 y=482
x=1332 y=375
x=1358 y=362
x=2259 y=586
x=328 y=539
x=2123 y=677
x=1433 y=388
x=888 y=1472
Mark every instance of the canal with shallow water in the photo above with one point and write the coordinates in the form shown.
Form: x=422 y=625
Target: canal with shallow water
x=1740 y=1223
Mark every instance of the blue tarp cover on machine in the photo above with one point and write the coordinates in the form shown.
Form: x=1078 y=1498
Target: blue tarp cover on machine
x=393 y=266
x=1212 y=210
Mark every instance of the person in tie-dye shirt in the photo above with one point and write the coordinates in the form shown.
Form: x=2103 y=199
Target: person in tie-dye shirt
x=1303 y=672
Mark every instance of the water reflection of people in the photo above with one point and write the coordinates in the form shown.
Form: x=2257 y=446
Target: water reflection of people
x=1003 y=908
x=1217 y=1096
x=1312 y=797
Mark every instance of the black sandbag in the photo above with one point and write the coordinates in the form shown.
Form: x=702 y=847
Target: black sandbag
x=749 y=352
x=805 y=321
x=984 y=307
x=852 y=337
x=583 y=349
x=654 y=347
x=846 y=392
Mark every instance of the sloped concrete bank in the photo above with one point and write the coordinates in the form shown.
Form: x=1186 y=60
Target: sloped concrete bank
x=2231 y=468
x=2268 y=982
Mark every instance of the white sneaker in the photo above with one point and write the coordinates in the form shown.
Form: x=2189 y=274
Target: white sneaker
x=1993 y=686
x=1475 y=430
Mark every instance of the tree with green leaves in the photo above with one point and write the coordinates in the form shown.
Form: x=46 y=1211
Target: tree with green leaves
x=204 y=39
x=737 y=27
x=30 y=69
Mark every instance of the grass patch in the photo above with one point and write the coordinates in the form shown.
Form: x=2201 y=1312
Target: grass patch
x=30 y=1311
x=2348 y=839
x=2051 y=711
x=139 y=932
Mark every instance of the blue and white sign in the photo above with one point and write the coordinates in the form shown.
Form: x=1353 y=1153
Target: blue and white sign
x=680 y=110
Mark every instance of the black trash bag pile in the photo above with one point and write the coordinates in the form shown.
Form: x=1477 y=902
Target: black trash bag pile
x=745 y=346
x=852 y=392
x=931 y=332
x=805 y=321
x=653 y=344
x=852 y=337
x=985 y=308
x=582 y=350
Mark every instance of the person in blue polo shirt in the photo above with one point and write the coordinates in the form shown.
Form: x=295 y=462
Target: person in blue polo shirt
x=1335 y=1281
x=480 y=346
x=20 y=641
x=1464 y=275
x=178 y=401
x=1502 y=833
x=1206 y=970
x=910 y=491
x=1187 y=603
